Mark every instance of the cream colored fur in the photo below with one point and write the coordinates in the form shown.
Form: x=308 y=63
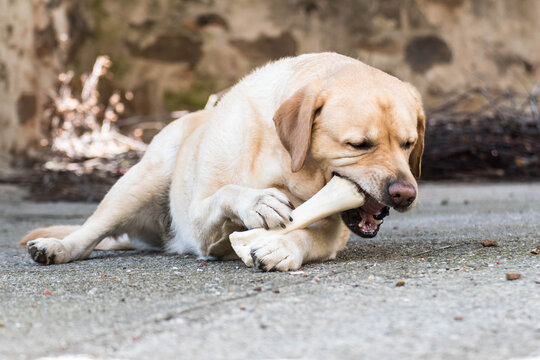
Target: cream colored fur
x=228 y=168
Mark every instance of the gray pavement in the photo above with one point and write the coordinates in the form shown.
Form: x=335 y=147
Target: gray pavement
x=455 y=304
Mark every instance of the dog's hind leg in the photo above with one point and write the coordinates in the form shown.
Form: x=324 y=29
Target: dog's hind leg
x=135 y=190
x=125 y=207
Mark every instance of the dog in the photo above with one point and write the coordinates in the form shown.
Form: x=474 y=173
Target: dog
x=270 y=143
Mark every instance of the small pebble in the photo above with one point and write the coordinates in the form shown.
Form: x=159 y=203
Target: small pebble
x=257 y=288
x=2 y=324
x=47 y=292
x=92 y=291
x=242 y=307
x=512 y=276
x=489 y=243
x=458 y=318
x=400 y=283
x=535 y=252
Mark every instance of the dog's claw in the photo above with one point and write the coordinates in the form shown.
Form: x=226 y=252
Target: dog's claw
x=257 y=264
x=254 y=259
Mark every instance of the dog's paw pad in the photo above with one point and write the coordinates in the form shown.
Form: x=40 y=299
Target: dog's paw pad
x=39 y=255
x=47 y=251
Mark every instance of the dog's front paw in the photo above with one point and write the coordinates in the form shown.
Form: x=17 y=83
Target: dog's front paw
x=276 y=253
x=48 y=251
x=268 y=208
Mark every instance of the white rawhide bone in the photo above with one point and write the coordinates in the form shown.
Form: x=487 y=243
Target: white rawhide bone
x=337 y=195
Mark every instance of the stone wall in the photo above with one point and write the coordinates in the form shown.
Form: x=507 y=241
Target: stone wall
x=29 y=64
x=173 y=53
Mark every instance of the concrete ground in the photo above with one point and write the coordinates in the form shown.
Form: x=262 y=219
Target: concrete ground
x=455 y=304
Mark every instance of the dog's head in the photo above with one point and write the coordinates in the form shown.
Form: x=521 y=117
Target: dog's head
x=364 y=125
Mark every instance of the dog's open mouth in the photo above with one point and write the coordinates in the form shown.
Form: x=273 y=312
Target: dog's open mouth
x=365 y=220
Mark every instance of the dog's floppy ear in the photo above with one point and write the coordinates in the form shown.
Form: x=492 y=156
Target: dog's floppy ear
x=294 y=120
x=415 y=160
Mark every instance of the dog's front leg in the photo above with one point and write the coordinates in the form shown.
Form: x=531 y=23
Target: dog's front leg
x=320 y=241
x=244 y=206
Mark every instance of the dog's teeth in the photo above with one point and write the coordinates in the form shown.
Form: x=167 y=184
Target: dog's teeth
x=378 y=222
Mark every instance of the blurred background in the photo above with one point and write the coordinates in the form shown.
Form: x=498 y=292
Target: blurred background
x=84 y=85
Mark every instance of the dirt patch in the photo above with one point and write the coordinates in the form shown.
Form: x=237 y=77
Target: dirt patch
x=423 y=52
x=265 y=47
x=169 y=48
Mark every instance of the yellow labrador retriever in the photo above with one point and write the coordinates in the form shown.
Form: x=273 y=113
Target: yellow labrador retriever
x=272 y=142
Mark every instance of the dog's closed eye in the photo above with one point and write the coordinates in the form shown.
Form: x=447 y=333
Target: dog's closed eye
x=364 y=145
x=407 y=145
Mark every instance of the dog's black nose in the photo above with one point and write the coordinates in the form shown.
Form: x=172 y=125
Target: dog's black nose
x=401 y=193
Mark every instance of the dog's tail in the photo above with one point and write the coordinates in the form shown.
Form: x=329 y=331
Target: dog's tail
x=57 y=232
x=121 y=242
